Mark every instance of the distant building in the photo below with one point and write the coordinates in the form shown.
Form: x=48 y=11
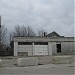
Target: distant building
x=51 y=44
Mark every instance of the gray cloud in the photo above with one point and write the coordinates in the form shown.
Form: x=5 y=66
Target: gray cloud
x=51 y=15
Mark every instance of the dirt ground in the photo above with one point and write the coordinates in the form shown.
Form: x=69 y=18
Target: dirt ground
x=48 y=69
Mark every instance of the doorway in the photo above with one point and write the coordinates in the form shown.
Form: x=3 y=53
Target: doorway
x=58 y=48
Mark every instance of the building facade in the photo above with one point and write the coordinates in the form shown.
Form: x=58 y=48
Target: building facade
x=52 y=44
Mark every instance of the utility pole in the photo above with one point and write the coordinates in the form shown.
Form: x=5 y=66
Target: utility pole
x=0 y=30
x=0 y=34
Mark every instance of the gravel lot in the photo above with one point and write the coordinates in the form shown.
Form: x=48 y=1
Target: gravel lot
x=47 y=69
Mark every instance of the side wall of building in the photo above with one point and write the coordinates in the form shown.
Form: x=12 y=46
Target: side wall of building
x=67 y=48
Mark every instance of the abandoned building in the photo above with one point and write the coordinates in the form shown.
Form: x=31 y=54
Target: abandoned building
x=51 y=44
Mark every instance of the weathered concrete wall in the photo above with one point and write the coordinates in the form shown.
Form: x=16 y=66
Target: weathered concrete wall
x=62 y=59
x=25 y=48
x=67 y=47
x=54 y=49
x=45 y=59
x=0 y=63
x=74 y=48
x=66 y=59
x=44 y=39
x=40 y=50
x=15 y=49
x=49 y=48
x=31 y=61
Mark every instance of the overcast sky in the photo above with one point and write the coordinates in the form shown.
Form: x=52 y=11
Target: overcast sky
x=51 y=15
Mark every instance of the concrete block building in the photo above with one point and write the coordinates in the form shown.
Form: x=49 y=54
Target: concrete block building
x=51 y=44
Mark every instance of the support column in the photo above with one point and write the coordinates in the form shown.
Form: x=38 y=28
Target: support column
x=54 y=48
x=0 y=35
x=33 y=49
x=15 y=49
x=49 y=48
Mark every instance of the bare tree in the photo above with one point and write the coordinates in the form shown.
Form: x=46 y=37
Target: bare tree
x=3 y=37
x=23 y=31
x=17 y=31
x=41 y=32
x=3 y=34
x=11 y=36
x=30 y=31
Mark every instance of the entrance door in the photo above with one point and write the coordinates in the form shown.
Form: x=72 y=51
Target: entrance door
x=58 y=48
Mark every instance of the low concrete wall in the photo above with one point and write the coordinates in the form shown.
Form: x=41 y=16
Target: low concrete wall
x=50 y=59
x=30 y=61
x=65 y=59
x=0 y=63
x=44 y=59
x=15 y=60
x=62 y=59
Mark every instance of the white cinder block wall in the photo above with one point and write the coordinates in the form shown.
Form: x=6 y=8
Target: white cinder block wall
x=67 y=45
x=25 y=48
